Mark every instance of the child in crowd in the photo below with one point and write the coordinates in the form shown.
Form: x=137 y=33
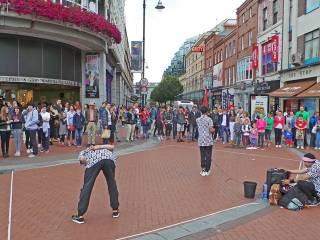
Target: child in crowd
x=246 y=128
x=300 y=126
x=237 y=132
x=288 y=135
x=253 y=135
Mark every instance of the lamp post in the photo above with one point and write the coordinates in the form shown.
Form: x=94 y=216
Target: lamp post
x=158 y=7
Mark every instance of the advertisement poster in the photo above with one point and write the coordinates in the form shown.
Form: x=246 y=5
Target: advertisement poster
x=255 y=57
x=136 y=56
x=92 y=72
x=217 y=75
x=259 y=104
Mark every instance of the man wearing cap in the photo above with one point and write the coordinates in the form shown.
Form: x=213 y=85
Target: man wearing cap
x=309 y=182
x=31 y=125
x=96 y=159
x=91 y=116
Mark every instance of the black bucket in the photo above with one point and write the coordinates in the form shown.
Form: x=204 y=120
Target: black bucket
x=249 y=189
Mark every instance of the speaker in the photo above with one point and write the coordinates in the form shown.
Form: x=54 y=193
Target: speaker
x=275 y=176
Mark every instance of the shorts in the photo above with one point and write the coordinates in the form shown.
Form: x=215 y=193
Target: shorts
x=180 y=127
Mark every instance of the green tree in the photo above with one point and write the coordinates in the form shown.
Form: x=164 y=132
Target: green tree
x=167 y=90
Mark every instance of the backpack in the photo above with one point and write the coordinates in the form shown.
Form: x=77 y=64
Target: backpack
x=294 y=200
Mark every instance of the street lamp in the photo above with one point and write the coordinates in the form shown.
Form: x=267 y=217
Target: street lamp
x=158 y=7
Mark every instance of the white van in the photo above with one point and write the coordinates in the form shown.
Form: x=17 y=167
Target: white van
x=184 y=103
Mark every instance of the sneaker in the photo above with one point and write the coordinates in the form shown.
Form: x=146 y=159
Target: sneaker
x=203 y=173
x=46 y=152
x=17 y=154
x=208 y=173
x=276 y=146
x=115 y=213
x=315 y=148
x=39 y=145
x=298 y=147
x=280 y=146
x=77 y=219
x=28 y=150
x=302 y=148
x=31 y=156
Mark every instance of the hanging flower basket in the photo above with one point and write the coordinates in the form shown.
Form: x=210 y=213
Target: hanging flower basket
x=66 y=14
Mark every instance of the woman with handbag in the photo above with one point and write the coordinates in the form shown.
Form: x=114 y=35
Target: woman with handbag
x=70 y=126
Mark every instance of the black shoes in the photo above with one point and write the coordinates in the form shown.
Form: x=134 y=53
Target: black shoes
x=115 y=213
x=77 y=219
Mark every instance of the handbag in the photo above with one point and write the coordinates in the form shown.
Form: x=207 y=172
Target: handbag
x=106 y=133
x=71 y=128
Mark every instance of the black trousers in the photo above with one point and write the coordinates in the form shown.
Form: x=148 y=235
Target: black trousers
x=108 y=168
x=278 y=135
x=308 y=189
x=33 y=139
x=206 y=157
x=5 y=139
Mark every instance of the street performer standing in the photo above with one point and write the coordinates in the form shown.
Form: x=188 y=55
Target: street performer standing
x=95 y=159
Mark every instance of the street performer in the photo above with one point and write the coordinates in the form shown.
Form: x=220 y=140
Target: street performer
x=95 y=159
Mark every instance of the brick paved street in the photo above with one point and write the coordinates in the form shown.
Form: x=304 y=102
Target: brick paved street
x=158 y=187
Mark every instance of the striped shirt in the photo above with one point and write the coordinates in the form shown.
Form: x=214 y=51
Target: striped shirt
x=95 y=156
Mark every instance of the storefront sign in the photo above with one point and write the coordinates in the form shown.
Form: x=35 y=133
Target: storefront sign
x=258 y=104
x=15 y=79
x=266 y=87
x=275 y=48
x=255 y=57
x=305 y=73
x=197 y=49
x=92 y=76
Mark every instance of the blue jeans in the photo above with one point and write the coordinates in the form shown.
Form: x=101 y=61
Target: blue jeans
x=17 y=138
x=224 y=130
x=237 y=138
x=253 y=142
x=192 y=131
x=79 y=132
x=145 y=129
x=318 y=140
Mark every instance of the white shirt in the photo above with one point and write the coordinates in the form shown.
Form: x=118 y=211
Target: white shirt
x=224 y=120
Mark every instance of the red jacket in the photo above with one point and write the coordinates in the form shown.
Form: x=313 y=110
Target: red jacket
x=301 y=124
x=278 y=120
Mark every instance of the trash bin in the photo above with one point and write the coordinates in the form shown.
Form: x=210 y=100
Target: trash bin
x=249 y=189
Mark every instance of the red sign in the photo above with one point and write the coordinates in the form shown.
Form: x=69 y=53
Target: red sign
x=255 y=57
x=197 y=49
x=275 y=48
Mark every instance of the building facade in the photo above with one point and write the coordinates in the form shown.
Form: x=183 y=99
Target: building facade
x=43 y=59
x=247 y=21
x=300 y=75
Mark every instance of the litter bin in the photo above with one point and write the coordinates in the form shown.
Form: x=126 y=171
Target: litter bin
x=249 y=189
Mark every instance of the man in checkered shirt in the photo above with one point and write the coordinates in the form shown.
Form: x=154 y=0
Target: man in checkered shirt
x=205 y=140
x=96 y=159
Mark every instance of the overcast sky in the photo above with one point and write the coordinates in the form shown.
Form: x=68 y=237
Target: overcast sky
x=167 y=30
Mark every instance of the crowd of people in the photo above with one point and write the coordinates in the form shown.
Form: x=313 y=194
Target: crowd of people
x=39 y=126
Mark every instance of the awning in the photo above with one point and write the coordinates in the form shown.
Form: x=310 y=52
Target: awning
x=292 y=89
x=314 y=91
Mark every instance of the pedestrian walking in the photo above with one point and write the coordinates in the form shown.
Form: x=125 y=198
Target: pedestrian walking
x=205 y=140
x=96 y=159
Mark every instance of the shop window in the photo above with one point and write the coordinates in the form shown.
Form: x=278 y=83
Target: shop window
x=311 y=5
x=311 y=46
x=30 y=58
x=267 y=65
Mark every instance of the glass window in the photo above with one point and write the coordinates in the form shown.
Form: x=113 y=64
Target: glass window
x=234 y=46
x=244 y=69
x=311 y=46
x=250 y=39
x=312 y=5
x=267 y=65
x=250 y=12
x=275 y=11
x=265 y=18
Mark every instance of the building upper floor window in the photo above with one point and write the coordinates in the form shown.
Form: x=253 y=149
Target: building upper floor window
x=275 y=9
x=234 y=46
x=250 y=12
x=264 y=18
x=250 y=39
x=244 y=69
x=312 y=5
x=311 y=47
x=242 y=43
x=226 y=52
x=243 y=18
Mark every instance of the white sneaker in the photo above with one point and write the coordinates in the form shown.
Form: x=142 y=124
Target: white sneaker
x=39 y=145
x=203 y=173
x=28 y=150
x=298 y=147
x=315 y=148
x=17 y=154
x=302 y=148
x=276 y=146
x=280 y=146
x=208 y=173
x=31 y=156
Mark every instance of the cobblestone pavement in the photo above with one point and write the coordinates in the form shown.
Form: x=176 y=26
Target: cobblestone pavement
x=158 y=187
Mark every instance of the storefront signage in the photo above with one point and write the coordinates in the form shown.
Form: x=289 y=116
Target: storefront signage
x=92 y=76
x=266 y=87
x=197 y=49
x=255 y=57
x=305 y=73
x=15 y=79
x=258 y=104
x=275 y=48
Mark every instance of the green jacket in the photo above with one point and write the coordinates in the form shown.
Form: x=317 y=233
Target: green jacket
x=270 y=123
